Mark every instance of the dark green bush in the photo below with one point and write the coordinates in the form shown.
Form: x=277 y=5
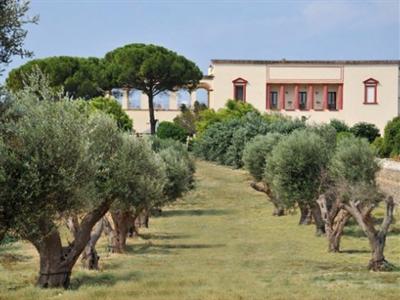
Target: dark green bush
x=215 y=141
x=377 y=145
x=340 y=126
x=224 y=141
x=365 y=130
x=170 y=130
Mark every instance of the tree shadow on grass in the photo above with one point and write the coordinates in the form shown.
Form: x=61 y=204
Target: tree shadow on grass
x=163 y=236
x=355 y=231
x=8 y=260
x=194 y=212
x=354 y=251
x=150 y=248
x=96 y=278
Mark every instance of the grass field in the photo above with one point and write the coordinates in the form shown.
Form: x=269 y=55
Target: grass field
x=219 y=242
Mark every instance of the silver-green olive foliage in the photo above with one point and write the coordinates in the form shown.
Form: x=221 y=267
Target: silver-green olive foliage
x=55 y=157
x=296 y=167
x=257 y=152
x=141 y=175
x=353 y=168
x=179 y=168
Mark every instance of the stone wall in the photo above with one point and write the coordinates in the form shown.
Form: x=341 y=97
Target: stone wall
x=389 y=178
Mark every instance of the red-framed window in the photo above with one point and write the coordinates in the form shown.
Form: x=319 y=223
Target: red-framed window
x=239 y=89
x=371 y=91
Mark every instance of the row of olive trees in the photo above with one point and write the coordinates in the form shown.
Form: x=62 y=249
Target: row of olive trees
x=63 y=163
x=332 y=181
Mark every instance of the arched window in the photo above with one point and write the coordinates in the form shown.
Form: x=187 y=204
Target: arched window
x=161 y=100
x=183 y=97
x=371 y=91
x=239 y=89
x=117 y=94
x=202 y=96
x=134 y=99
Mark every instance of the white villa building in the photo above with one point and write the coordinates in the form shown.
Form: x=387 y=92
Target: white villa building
x=348 y=90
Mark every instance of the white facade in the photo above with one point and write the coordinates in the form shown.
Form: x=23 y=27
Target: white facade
x=352 y=91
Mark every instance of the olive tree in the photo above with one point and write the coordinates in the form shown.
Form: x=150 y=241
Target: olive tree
x=295 y=169
x=354 y=168
x=142 y=178
x=53 y=153
x=151 y=69
x=13 y=17
x=255 y=157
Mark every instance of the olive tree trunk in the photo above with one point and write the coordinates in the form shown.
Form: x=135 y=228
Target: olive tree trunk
x=335 y=218
x=133 y=230
x=2 y=234
x=90 y=259
x=262 y=187
x=118 y=231
x=319 y=222
x=376 y=238
x=143 y=218
x=305 y=214
x=56 y=261
x=55 y=270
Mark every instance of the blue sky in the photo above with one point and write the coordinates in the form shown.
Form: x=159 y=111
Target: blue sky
x=202 y=30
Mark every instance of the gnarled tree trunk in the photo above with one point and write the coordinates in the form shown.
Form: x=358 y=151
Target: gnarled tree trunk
x=376 y=238
x=334 y=219
x=2 y=234
x=319 y=223
x=133 y=227
x=118 y=231
x=305 y=215
x=56 y=261
x=143 y=218
x=55 y=270
x=90 y=259
x=262 y=187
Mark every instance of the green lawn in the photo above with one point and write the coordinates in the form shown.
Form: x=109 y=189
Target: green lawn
x=219 y=242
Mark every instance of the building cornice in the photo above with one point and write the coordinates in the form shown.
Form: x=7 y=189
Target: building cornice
x=305 y=62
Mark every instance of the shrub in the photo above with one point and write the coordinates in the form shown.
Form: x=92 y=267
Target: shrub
x=251 y=125
x=340 y=126
x=343 y=135
x=169 y=130
x=286 y=126
x=365 y=130
x=377 y=145
x=391 y=138
x=326 y=132
x=256 y=152
x=114 y=109
x=215 y=141
x=187 y=118
x=233 y=109
x=224 y=141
